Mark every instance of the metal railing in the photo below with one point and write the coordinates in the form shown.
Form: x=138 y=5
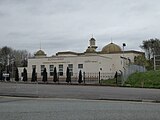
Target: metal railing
x=87 y=78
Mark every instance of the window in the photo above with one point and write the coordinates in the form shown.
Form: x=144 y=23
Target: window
x=42 y=68
x=51 y=69
x=33 y=66
x=80 y=66
x=70 y=66
x=60 y=70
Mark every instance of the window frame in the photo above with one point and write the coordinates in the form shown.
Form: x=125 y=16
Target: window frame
x=60 y=71
x=80 y=66
x=51 y=70
x=70 y=66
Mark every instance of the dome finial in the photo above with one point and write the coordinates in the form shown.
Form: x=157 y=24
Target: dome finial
x=40 y=45
x=92 y=35
x=111 y=40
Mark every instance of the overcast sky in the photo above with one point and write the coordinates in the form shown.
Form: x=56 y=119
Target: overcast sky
x=61 y=25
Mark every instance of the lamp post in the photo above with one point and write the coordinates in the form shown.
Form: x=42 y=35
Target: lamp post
x=123 y=53
x=123 y=63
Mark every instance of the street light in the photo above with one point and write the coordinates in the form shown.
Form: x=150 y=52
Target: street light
x=123 y=63
x=123 y=53
x=124 y=44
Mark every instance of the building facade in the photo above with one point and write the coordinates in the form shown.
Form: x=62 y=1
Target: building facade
x=107 y=61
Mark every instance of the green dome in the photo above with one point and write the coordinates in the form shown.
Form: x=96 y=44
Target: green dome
x=40 y=53
x=111 y=48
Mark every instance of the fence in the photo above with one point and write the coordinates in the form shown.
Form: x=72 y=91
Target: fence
x=87 y=78
x=156 y=62
x=92 y=78
x=132 y=69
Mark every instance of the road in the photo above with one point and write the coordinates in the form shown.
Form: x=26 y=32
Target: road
x=12 y=108
x=79 y=92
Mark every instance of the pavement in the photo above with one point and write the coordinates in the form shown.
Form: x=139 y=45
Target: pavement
x=79 y=92
x=20 y=108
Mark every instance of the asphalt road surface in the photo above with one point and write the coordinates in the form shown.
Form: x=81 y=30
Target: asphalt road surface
x=79 y=92
x=12 y=108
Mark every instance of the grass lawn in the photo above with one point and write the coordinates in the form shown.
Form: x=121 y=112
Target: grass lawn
x=110 y=82
x=149 y=79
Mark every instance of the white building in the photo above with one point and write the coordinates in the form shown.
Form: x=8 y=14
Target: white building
x=107 y=61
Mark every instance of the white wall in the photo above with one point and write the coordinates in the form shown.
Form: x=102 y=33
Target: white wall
x=105 y=63
x=91 y=64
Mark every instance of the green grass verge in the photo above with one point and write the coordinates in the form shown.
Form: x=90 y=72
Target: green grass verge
x=149 y=79
x=110 y=82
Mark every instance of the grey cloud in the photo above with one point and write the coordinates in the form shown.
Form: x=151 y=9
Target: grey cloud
x=2 y=14
x=42 y=7
x=68 y=24
x=17 y=34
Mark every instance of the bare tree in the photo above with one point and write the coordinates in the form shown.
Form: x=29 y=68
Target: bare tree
x=8 y=56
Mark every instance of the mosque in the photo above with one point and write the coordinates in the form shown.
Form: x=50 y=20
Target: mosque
x=110 y=59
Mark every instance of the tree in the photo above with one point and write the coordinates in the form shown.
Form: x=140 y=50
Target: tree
x=55 y=78
x=7 y=55
x=21 y=57
x=68 y=76
x=151 y=47
x=16 y=75
x=140 y=60
x=34 y=75
x=25 y=77
x=9 y=58
x=4 y=55
x=80 y=77
x=44 y=78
